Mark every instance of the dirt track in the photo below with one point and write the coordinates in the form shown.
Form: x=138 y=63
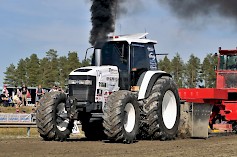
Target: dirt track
x=215 y=146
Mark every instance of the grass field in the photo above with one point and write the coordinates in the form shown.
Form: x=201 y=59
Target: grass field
x=17 y=132
x=23 y=109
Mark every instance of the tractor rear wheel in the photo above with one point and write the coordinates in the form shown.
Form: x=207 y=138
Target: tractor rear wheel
x=161 y=111
x=121 y=117
x=51 y=117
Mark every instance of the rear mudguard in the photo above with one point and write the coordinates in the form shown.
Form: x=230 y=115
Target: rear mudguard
x=146 y=82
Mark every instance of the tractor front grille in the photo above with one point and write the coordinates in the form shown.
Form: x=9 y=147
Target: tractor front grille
x=83 y=93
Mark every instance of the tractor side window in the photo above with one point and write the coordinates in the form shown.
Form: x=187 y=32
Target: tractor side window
x=139 y=56
x=228 y=62
x=139 y=62
x=231 y=62
x=222 y=64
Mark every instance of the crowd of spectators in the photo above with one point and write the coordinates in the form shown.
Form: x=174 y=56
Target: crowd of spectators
x=17 y=99
x=19 y=96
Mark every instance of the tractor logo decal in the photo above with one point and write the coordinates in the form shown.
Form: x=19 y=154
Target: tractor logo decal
x=113 y=71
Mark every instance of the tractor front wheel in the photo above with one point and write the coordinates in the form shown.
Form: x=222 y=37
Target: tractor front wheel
x=51 y=117
x=121 y=117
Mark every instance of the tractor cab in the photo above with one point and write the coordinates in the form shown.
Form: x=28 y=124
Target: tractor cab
x=132 y=54
x=226 y=73
x=227 y=70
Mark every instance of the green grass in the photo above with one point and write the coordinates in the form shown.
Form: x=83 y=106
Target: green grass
x=17 y=132
x=23 y=109
x=22 y=133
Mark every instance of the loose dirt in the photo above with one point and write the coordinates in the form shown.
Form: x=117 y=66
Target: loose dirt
x=225 y=146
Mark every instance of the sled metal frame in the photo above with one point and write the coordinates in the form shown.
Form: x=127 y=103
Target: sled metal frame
x=202 y=101
x=200 y=119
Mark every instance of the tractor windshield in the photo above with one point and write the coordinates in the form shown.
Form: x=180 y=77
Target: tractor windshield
x=114 y=53
x=228 y=62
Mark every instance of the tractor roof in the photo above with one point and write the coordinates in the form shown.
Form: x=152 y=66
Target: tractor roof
x=136 y=38
x=228 y=52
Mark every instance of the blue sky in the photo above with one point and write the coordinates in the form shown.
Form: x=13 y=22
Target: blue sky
x=28 y=27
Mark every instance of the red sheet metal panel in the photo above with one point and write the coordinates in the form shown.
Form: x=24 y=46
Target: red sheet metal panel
x=230 y=110
x=202 y=95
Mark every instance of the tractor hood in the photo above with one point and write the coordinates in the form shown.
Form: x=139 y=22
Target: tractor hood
x=95 y=82
x=97 y=71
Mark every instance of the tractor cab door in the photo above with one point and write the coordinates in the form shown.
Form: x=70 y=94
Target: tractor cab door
x=142 y=59
x=116 y=53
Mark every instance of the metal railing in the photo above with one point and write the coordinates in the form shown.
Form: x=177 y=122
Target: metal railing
x=28 y=126
x=11 y=120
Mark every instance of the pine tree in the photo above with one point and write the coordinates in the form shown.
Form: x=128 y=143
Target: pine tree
x=86 y=62
x=192 y=71
x=73 y=61
x=208 y=72
x=33 y=71
x=10 y=75
x=21 y=73
x=165 y=65
x=27 y=60
x=43 y=71
x=51 y=70
x=177 y=72
x=63 y=75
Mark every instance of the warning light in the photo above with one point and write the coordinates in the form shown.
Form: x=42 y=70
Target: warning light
x=113 y=37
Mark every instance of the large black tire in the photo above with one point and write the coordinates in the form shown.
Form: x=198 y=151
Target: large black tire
x=121 y=117
x=51 y=117
x=161 y=111
x=234 y=125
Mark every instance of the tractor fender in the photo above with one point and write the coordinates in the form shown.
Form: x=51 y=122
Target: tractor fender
x=146 y=82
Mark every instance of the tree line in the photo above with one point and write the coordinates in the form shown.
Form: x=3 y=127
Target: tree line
x=48 y=71
x=192 y=73
x=54 y=70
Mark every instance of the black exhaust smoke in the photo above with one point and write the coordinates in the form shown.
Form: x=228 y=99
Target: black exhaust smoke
x=103 y=14
x=192 y=8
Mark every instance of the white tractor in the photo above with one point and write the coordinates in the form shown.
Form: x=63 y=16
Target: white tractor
x=120 y=97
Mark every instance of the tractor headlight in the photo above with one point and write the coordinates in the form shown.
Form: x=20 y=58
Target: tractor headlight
x=85 y=82
x=81 y=82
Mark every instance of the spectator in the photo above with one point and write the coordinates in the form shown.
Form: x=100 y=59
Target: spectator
x=5 y=91
x=54 y=88
x=16 y=91
x=5 y=96
x=16 y=99
x=60 y=89
x=39 y=93
x=201 y=84
x=24 y=92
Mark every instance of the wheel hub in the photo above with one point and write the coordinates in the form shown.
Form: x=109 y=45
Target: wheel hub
x=169 y=109
x=129 y=117
x=62 y=120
